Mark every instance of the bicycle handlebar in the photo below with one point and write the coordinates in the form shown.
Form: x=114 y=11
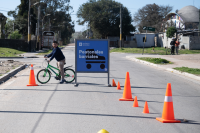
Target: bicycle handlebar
x=47 y=61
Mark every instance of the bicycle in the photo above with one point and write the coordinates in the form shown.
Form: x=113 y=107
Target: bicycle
x=44 y=75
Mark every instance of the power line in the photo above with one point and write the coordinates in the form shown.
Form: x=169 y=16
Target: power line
x=4 y=10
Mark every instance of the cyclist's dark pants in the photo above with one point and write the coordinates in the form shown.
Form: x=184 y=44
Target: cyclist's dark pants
x=172 y=50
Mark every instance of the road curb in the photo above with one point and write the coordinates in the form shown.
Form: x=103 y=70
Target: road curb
x=167 y=69
x=11 y=73
x=19 y=57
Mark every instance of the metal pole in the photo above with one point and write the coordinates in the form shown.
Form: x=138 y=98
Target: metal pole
x=49 y=24
x=144 y=41
x=29 y=29
x=199 y=22
x=38 y=22
x=120 y=26
x=13 y=26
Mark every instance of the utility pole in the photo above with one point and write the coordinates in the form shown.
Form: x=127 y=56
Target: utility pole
x=199 y=22
x=120 y=26
x=38 y=31
x=29 y=29
x=36 y=28
x=49 y=25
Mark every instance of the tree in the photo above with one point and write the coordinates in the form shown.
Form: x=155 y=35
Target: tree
x=103 y=17
x=20 y=15
x=170 y=32
x=15 y=35
x=151 y=15
x=9 y=26
x=60 y=17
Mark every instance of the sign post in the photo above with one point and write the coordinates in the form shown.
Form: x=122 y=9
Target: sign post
x=144 y=28
x=147 y=28
x=92 y=56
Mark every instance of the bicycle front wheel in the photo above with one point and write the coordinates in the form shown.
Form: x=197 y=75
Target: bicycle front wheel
x=69 y=75
x=43 y=76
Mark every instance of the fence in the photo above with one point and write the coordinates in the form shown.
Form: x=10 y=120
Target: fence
x=21 y=45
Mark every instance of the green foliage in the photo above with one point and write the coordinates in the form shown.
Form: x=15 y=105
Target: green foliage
x=170 y=32
x=20 y=15
x=9 y=26
x=155 y=60
x=15 y=35
x=195 y=71
x=104 y=18
x=60 y=19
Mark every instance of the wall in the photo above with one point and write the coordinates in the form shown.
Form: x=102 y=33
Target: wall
x=18 y=44
x=189 y=42
x=113 y=41
x=113 y=38
x=185 y=41
x=194 y=43
x=150 y=40
x=160 y=39
x=130 y=44
x=130 y=38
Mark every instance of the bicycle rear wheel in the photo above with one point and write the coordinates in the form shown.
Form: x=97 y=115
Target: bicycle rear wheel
x=69 y=75
x=43 y=76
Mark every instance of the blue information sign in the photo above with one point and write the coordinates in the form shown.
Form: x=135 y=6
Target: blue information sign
x=92 y=56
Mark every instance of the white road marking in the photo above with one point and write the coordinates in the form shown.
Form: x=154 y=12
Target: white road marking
x=9 y=83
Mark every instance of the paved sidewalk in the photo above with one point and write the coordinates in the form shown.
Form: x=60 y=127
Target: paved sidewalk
x=185 y=60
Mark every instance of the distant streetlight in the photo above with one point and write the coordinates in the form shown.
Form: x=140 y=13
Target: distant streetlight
x=44 y=17
x=36 y=3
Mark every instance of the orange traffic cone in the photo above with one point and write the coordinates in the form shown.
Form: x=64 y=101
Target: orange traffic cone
x=168 y=110
x=113 y=83
x=118 y=86
x=32 y=77
x=146 y=109
x=135 y=104
x=127 y=95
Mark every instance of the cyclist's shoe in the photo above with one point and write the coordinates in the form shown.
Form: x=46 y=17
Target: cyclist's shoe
x=62 y=81
x=57 y=78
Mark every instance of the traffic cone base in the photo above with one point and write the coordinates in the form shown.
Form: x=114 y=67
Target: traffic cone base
x=32 y=85
x=125 y=99
x=168 y=121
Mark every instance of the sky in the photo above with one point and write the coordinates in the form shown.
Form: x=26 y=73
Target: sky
x=133 y=6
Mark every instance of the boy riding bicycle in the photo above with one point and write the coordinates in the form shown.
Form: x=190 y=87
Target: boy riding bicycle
x=59 y=56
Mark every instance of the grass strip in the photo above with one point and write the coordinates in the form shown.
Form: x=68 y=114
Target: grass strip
x=157 y=50
x=9 y=52
x=195 y=71
x=155 y=60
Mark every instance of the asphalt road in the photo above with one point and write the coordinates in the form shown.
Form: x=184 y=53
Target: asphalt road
x=92 y=106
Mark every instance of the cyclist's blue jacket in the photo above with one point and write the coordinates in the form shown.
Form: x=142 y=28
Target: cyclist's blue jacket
x=57 y=53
